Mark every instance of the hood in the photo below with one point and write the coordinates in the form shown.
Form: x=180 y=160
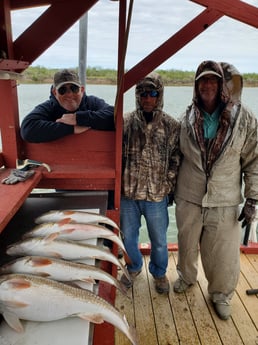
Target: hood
x=231 y=83
x=152 y=81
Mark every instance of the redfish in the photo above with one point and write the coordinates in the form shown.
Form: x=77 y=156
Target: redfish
x=33 y=298
x=83 y=217
x=60 y=270
x=69 y=250
x=75 y=232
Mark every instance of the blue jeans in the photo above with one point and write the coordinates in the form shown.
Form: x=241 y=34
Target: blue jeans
x=156 y=216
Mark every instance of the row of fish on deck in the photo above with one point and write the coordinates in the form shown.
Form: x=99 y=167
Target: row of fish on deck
x=49 y=279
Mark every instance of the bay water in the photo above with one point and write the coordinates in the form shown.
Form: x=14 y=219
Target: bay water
x=176 y=99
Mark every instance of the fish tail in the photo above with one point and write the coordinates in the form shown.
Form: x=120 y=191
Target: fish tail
x=133 y=335
x=122 y=288
x=131 y=332
x=125 y=271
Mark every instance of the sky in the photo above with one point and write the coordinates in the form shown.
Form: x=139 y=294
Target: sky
x=151 y=25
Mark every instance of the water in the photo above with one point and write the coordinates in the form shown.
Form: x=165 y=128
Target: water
x=175 y=101
x=175 y=98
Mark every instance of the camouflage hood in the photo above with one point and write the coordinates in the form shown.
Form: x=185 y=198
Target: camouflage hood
x=152 y=81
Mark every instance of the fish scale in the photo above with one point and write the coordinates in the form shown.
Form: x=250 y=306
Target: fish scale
x=75 y=232
x=59 y=269
x=74 y=216
x=34 y=298
x=69 y=250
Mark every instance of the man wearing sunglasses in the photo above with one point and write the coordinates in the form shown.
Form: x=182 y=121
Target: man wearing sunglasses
x=150 y=164
x=68 y=111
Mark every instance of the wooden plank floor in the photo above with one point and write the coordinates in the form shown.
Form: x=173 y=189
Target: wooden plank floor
x=188 y=318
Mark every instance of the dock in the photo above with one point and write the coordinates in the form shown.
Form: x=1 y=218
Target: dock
x=189 y=318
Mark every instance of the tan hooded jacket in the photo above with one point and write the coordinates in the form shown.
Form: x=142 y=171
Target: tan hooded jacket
x=235 y=152
x=150 y=150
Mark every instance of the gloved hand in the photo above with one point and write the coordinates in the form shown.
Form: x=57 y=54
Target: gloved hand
x=170 y=199
x=248 y=212
x=17 y=175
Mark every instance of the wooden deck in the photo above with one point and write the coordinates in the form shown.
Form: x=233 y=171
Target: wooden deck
x=188 y=318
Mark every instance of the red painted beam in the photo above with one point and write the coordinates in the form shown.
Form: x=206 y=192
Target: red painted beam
x=235 y=9
x=20 y=4
x=51 y=25
x=13 y=65
x=171 y=46
x=9 y=121
x=6 y=29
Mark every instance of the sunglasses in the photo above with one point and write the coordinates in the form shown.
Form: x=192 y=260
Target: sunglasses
x=64 y=89
x=152 y=93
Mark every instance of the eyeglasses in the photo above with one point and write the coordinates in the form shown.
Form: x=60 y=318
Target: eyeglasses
x=64 y=89
x=152 y=93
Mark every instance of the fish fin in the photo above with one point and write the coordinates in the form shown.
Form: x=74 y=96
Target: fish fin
x=64 y=221
x=89 y=280
x=40 y=261
x=13 y=321
x=15 y=304
x=67 y=220
x=51 y=237
x=67 y=231
x=18 y=283
x=95 y=318
x=68 y=212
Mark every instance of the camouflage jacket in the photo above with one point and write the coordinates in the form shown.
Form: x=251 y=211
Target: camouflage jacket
x=150 y=153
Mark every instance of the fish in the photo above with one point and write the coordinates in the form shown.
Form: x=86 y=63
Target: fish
x=74 y=232
x=34 y=298
x=83 y=217
x=65 y=249
x=60 y=270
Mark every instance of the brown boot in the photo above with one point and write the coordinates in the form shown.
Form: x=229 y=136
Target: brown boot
x=161 y=284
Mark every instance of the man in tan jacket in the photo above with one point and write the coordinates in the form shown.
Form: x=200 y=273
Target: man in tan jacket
x=219 y=143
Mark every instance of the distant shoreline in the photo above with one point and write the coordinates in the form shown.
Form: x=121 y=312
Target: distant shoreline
x=103 y=81
x=100 y=76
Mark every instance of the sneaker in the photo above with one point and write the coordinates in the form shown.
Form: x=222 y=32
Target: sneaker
x=161 y=284
x=222 y=309
x=180 y=286
x=129 y=283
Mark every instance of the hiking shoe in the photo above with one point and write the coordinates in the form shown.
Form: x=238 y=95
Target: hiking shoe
x=222 y=309
x=161 y=284
x=180 y=286
x=126 y=282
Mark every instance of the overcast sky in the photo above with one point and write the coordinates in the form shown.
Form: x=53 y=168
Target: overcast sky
x=153 y=22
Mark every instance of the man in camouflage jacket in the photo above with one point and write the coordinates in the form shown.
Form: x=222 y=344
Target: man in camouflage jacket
x=150 y=165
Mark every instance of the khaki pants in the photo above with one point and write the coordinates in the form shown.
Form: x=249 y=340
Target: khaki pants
x=215 y=232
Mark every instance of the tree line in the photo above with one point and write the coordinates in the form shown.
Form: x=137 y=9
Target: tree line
x=98 y=75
